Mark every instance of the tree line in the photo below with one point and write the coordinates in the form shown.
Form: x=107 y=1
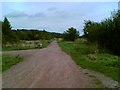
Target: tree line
x=106 y=34
x=12 y=36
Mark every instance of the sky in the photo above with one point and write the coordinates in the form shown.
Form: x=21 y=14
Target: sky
x=55 y=16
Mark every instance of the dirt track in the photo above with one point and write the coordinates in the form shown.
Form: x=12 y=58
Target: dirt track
x=46 y=68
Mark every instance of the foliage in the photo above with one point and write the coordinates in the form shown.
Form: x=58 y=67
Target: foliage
x=83 y=55
x=7 y=35
x=106 y=33
x=14 y=36
x=24 y=34
x=71 y=34
x=6 y=27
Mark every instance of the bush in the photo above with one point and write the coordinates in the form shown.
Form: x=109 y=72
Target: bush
x=71 y=34
x=106 y=33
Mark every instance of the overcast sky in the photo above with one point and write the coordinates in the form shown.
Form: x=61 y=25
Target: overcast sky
x=55 y=17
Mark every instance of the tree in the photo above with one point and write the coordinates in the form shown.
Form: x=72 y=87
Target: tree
x=6 y=27
x=106 y=33
x=71 y=34
x=6 y=31
x=7 y=34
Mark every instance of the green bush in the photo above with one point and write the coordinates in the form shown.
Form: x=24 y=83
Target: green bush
x=71 y=34
x=106 y=33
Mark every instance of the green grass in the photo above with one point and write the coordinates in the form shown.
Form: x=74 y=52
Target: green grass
x=19 y=47
x=86 y=58
x=8 y=61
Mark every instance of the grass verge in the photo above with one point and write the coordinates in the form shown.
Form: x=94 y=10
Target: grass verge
x=8 y=61
x=84 y=56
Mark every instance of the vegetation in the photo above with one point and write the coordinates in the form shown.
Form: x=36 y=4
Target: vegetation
x=24 y=34
x=13 y=39
x=71 y=34
x=105 y=34
x=9 y=35
x=25 y=45
x=85 y=56
x=8 y=61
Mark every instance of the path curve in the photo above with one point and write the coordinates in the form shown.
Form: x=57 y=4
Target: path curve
x=46 y=68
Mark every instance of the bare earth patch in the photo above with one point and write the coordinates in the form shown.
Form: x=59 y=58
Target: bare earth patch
x=46 y=68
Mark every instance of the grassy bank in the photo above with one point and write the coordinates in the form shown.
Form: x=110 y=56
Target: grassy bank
x=86 y=58
x=19 y=46
x=8 y=61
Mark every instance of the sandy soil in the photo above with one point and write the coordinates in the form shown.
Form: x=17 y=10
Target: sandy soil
x=46 y=68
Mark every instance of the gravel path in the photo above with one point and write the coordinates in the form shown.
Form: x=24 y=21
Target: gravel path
x=46 y=68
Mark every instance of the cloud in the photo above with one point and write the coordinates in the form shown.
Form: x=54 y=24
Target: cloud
x=55 y=12
x=19 y=14
x=16 y=14
x=52 y=9
x=40 y=14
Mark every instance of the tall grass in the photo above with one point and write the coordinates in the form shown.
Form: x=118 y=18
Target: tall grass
x=23 y=46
